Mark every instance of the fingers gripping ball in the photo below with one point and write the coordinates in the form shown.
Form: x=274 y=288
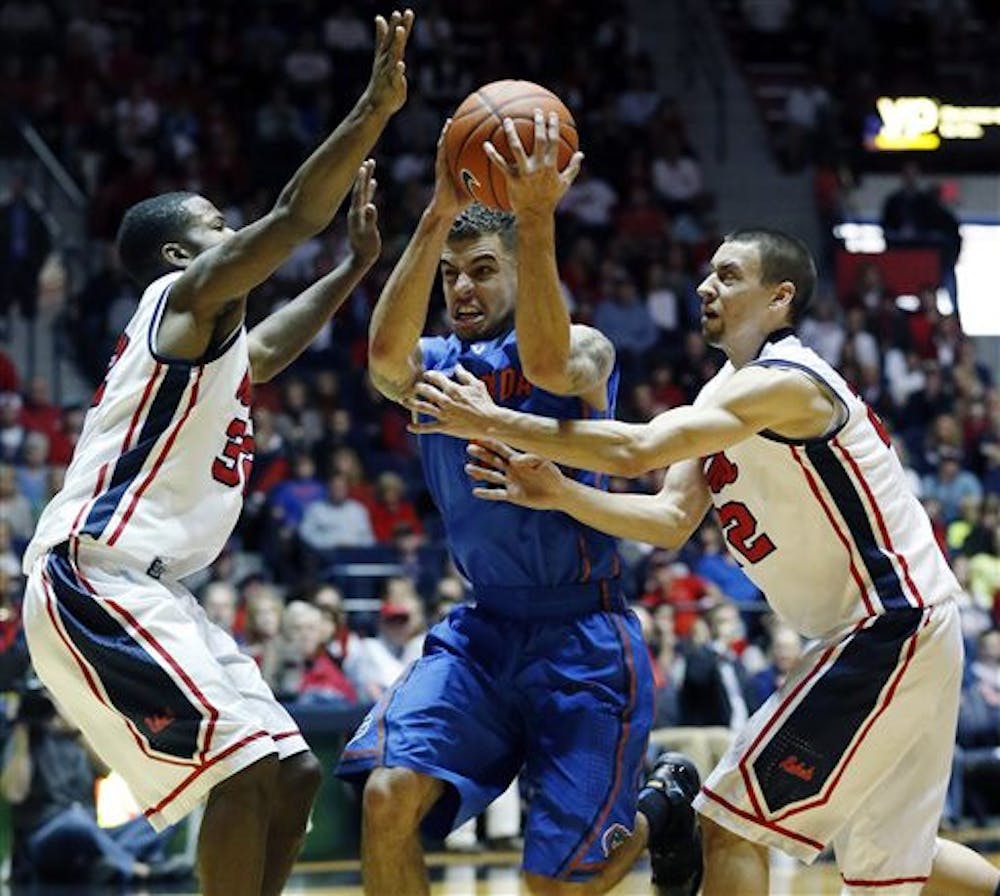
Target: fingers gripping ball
x=480 y=117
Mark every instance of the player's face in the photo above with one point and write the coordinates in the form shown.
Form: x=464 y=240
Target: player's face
x=480 y=286
x=732 y=295
x=207 y=227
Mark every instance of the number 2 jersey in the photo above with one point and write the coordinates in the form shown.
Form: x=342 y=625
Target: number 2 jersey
x=166 y=449
x=828 y=528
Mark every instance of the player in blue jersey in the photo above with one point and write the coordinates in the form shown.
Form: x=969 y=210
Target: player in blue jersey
x=547 y=670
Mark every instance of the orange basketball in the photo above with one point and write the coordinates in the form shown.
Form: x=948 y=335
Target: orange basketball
x=480 y=117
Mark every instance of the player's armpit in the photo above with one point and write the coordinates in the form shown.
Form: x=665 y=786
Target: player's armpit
x=396 y=389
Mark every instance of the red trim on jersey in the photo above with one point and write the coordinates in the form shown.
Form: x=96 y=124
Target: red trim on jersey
x=770 y=825
x=886 y=539
x=858 y=580
x=159 y=461
x=744 y=771
x=213 y=713
x=140 y=407
x=285 y=734
x=619 y=751
x=585 y=563
x=895 y=881
x=97 y=490
x=841 y=767
x=170 y=797
x=85 y=668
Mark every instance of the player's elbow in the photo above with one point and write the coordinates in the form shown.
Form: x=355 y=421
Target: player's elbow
x=549 y=374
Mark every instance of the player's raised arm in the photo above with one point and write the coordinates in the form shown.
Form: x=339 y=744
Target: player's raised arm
x=754 y=399
x=399 y=316
x=565 y=359
x=309 y=200
x=282 y=336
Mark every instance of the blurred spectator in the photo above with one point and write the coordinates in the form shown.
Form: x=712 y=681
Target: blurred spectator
x=48 y=777
x=381 y=659
x=311 y=675
x=625 y=320
x=15 y=509
x=392 y=514
x=219 y=600
x=715 y=564
x=677 y=177
x=32 y=473
x=11 y=429
x=589 y=204
x=24 y=245
x=782 y=653
x=672 y=582
x=717 y=689
x=906 y=211
x=950 y=484
x=336 y=519
x=978 y=739
x=262 y=633
x=9 y=380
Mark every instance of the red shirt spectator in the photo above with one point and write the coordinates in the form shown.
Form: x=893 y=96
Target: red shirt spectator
x=391 y=512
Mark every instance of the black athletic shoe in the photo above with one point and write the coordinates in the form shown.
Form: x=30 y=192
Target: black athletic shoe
x=674 y=837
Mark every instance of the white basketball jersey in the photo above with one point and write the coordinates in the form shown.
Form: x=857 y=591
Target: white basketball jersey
x=165 y=453
x=827 y=528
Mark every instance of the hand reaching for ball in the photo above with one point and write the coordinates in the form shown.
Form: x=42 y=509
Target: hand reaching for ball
x=449 y=197
x=534 y=183
x=486 y=116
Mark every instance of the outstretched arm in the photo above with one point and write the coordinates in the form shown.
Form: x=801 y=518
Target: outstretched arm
x=400 y=314
x=752 y=400
x=666 y=519
x=306 y=205
x=282 y=336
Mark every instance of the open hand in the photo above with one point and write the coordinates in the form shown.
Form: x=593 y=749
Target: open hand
x=387 y=85
x=523 y=479
x=534 y=183
x=362 y=216
x=460 y=407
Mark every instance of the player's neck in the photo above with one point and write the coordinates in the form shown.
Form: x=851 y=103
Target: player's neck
x=746 y=347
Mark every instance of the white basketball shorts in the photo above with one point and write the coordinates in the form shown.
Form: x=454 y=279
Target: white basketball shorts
x=163 y=695
x=853 y=751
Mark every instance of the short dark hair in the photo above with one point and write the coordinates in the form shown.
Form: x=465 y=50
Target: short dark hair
x=782 y=257
x=477 y=220
x=146 y=228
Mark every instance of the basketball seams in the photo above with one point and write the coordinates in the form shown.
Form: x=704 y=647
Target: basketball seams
x=481 y=115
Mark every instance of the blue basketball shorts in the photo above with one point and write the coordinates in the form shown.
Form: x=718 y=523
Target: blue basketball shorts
x=567 y=704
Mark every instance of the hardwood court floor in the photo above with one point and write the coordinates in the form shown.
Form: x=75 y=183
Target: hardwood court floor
x=496 y=874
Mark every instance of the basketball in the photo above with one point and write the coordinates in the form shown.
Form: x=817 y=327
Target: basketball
x=480 y=117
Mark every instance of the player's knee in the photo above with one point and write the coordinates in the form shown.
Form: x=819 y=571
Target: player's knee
x=392 y=799
x=300 y=779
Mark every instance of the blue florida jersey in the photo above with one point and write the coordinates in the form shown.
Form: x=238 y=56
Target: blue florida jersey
x=499 y=545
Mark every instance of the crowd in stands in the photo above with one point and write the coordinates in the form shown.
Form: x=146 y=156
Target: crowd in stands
x=818 y=67
x=221 y=99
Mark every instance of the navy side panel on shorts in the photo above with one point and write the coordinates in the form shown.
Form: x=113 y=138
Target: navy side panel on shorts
x=809 y=744
x=134 y=681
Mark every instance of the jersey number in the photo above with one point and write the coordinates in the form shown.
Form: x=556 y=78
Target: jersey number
x=234 y=464
x=740 y=526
